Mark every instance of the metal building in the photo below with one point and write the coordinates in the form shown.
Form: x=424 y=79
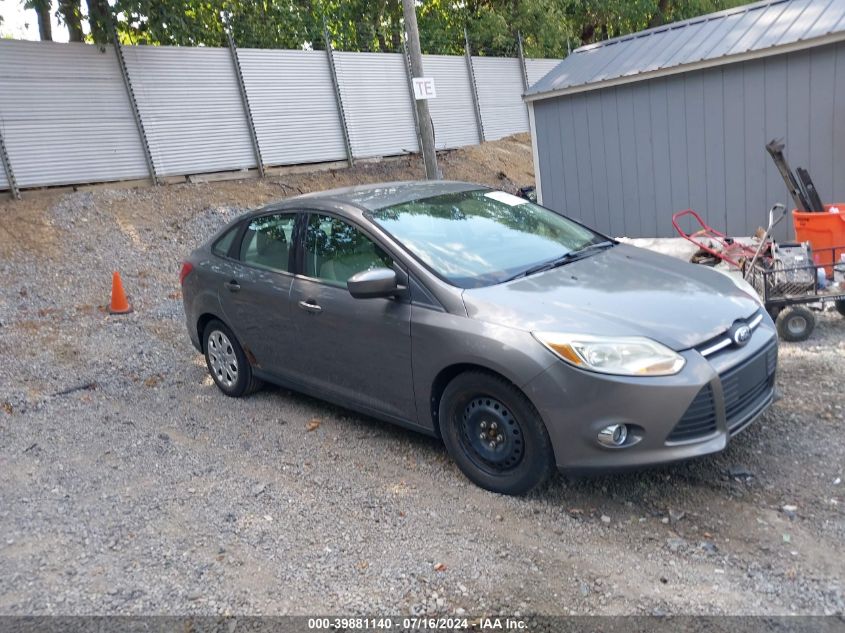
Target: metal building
x=627 y=131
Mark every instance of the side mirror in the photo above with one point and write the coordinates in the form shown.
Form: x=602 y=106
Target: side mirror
x=377 y=282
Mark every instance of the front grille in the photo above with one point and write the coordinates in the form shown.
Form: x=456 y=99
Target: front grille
x=699 y=419
x=748 y=386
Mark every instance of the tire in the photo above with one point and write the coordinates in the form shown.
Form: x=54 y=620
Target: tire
x=226 y=361
x=522 y=458
x=795 y=324
x=840 y=306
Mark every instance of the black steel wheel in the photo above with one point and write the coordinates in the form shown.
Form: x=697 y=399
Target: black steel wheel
x=840 y=306
x=795 y=324
x=491 y=436
x=226 y=361
x=495 y=434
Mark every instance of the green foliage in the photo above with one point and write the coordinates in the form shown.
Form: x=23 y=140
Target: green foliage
x=550 y=28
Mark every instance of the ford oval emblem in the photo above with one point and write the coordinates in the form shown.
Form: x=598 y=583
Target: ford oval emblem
x=741 y=335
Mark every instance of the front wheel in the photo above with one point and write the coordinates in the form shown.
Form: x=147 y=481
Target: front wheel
x=495 y=434
x=227 y=362
x=795 y=324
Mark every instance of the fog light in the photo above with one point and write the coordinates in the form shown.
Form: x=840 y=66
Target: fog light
x=613 y=435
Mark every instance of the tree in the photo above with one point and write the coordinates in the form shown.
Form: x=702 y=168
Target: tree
x=42 y=9
x=549 y=27
x=70 y=13
x=596 y=20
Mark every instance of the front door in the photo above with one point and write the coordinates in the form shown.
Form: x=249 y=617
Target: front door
x=358 y=349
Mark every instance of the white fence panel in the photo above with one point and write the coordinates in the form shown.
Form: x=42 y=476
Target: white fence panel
x=452 y=112
x=191 y=107
x=65 y=114
x=293 y=105
x=499 y=82
x=4 y=182
x=376 y=98
x=536 y=69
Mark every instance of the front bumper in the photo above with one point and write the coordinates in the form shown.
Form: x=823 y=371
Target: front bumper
x=713 y=398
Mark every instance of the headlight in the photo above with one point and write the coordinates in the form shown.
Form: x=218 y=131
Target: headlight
x=623 y=356
x=740 y=283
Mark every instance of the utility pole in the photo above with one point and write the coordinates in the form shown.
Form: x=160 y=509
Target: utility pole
x=412 y=36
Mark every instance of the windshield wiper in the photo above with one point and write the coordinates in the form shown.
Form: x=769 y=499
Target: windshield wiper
x=566 y=258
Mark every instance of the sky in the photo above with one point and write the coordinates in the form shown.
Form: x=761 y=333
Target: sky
x=22 y=24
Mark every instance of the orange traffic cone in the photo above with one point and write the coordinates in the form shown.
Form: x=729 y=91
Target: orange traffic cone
x=119 y=304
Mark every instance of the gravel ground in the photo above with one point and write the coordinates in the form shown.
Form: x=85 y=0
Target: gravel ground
x=129 y=484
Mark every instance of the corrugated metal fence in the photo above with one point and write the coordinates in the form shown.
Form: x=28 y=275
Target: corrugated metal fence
x=66 y=110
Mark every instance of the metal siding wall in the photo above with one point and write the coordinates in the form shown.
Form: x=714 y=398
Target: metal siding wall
x=598 y=164
x=755 y=159
x=645 y=162
x=374 y=88
x=585 y=210
x=824 y=108
x=65 y=114
x=663 y=172
x=536 y=69
x=714 y=147
x=612 y=162
x=774 y=79
x=500 y=90
x=293 y=105
x=838 y=135
x=677 y=128
x=191 y=107
x=697 y=140
x=568 y=179
x=630 y=168
x=452 y=112
x=549 y=152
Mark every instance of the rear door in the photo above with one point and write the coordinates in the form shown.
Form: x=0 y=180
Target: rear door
x=358 y=349
x=255 y=293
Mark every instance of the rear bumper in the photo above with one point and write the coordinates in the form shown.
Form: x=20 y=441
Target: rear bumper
x=715 y=398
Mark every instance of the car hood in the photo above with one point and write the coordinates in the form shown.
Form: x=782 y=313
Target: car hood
x=621 y=291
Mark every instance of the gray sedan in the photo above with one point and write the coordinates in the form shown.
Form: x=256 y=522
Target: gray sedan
x=525 y=340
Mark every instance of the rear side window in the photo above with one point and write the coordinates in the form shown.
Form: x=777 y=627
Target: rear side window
x=222 y=246
x=267 y=241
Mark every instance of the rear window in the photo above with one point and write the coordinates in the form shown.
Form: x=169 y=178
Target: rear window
x=222 y=246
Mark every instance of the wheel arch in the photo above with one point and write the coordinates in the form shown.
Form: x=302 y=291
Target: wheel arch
x=204 y=319
x=447 y=375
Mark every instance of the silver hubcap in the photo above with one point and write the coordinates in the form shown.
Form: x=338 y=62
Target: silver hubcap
x=221 y=357
x=797 y=324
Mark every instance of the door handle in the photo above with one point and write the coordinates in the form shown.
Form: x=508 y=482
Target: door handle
x=310 y=307
x=233 y=285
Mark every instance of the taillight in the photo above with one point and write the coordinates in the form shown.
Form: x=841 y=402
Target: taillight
x=187 y=267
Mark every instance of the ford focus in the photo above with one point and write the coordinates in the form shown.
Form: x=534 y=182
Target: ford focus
x=525 y=340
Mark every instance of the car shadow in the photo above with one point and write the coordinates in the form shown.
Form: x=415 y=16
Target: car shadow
x=650 y=487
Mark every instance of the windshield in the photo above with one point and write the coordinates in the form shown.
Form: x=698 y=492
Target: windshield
x=482 y=237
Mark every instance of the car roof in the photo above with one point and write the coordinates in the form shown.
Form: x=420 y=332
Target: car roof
x=376 y=196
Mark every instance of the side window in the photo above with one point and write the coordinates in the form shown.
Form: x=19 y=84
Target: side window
x=222 y=246
x=267 y=240
x=335 y=250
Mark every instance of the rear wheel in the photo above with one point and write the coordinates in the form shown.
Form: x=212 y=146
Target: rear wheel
x=227 y=362
x=840 y=306
x=495 y=434
x=795 y=324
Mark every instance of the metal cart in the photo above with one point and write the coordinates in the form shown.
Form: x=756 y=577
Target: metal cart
x=785 y=286
x=787 y=291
